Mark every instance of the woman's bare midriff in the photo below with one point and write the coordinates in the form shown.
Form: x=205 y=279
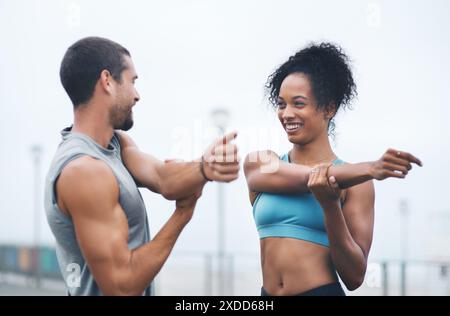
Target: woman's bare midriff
x=291 y=266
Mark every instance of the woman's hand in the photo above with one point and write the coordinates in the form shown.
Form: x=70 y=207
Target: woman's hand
x=393 y=163
x=325 y=189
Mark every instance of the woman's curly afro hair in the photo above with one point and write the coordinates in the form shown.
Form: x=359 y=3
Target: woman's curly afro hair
x=328 y=69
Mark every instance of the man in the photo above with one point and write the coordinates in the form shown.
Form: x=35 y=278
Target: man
x=92 y=201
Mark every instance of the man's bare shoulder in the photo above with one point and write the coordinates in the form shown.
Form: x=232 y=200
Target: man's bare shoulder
x=84 y=181
x=86 y=167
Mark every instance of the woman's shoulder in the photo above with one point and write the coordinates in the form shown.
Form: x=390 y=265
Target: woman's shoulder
x=262 y=153
x=260 y=156
x=338 y=161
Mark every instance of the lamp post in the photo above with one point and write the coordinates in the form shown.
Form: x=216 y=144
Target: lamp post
x=36 y=153
x=404 y=213
x=220 y=118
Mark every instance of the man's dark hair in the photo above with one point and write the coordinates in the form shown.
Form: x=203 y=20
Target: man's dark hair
x=83 y=63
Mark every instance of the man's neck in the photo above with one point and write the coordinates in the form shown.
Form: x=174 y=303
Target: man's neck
x=94 y=124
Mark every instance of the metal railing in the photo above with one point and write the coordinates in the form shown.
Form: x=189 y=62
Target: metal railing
x=197 y=273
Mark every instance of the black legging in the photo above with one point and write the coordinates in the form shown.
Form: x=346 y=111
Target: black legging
x=332 y=289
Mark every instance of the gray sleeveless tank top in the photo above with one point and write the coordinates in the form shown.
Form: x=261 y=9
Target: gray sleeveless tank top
x=74 y=269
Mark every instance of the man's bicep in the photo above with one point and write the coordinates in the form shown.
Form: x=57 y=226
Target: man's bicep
x=100 y=224
x=103 y=243
x=144 y=168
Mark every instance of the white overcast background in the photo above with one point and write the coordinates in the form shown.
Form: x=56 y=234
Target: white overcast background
x=193 y=56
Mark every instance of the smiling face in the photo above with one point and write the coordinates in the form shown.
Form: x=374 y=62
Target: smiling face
x=126 y=96
x=298 y=112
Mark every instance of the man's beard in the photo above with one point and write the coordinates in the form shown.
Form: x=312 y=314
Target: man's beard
x=128 y=124
x=121 y=118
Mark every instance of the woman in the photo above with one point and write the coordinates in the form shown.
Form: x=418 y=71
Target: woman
x=314 y=213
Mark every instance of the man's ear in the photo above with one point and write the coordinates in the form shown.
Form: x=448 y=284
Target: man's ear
x=106 y=81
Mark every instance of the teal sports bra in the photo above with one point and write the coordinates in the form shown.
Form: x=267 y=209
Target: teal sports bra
x=297 y=215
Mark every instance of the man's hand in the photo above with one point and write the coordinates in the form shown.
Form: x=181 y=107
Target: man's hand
x=187 y=204
x=326 y=190
x=221 y=159
x=393 y=163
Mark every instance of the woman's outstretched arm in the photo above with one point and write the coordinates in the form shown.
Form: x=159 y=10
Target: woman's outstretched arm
x=265 y=172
